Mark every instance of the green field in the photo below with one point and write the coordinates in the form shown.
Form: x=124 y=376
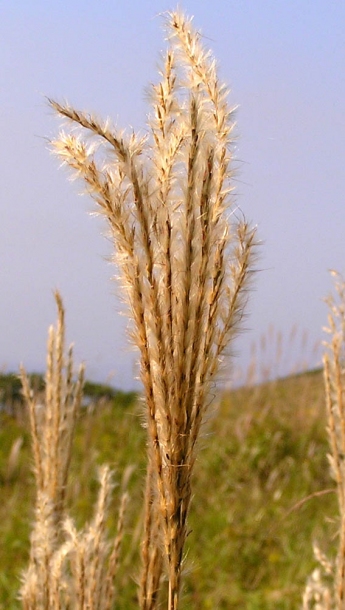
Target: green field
x=262 y=453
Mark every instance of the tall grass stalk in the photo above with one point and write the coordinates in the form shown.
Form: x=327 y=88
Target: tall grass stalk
x=185 y=255
x=67 y=568
x=326 y=587
x=334 y=373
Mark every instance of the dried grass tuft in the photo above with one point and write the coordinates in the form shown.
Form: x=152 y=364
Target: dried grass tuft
x=185 y=256
x=325 y=589
x=67 y=569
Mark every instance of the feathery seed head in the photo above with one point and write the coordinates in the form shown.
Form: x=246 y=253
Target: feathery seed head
x=184 y=259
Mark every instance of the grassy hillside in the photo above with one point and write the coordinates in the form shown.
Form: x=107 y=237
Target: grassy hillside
x=263 y=451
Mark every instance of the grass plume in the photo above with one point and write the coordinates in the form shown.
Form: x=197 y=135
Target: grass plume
x=185 y=261
x=67 y=568
x=325 y=588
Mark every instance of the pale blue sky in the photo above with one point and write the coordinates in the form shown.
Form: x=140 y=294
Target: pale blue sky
x=284 y=61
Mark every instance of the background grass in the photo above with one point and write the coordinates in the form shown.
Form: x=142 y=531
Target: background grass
x=263 y=451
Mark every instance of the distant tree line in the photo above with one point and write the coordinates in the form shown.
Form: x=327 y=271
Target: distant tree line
x=11 y=397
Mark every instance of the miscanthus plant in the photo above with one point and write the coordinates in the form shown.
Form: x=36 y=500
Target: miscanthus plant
x=185 y=257
x=68 y=569
x=325 y=588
